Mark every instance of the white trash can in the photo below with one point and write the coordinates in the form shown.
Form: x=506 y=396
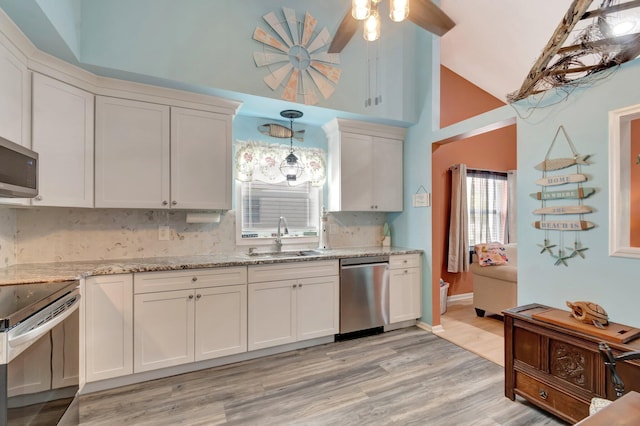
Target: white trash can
x=443 y=297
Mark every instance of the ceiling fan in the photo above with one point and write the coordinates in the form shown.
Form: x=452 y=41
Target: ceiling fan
x=423 y=13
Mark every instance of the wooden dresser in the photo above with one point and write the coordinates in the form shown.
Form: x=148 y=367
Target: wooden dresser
x=558 y=368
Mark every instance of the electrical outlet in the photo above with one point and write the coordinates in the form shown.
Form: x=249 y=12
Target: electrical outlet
x=164 y=233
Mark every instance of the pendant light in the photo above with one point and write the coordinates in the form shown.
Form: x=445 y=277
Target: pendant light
x=360 y=9
x=399 y=10
x=290 y=167
x=372 y=26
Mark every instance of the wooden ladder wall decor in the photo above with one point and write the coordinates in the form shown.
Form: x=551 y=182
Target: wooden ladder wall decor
x=568 y=68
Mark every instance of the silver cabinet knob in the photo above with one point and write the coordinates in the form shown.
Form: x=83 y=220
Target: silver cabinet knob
x=191 y=296
x=194 y=279
x=174 y=202
x=164 y=203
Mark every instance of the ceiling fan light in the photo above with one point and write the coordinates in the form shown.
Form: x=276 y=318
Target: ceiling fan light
x=360 y=9
x=372 y=27
x=399 y=10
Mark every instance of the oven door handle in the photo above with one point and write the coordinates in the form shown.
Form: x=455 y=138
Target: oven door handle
x=33 y=335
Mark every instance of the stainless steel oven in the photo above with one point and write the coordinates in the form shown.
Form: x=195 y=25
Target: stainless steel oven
x=39 y=329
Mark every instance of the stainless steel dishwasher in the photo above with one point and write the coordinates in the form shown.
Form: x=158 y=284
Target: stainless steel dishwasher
x=364 y=293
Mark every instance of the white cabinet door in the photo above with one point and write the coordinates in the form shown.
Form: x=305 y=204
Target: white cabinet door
x=404 y=294
x=387 y=174
x=200 y=159
x=271 y=314
x=62 y=119
x=221 y=321
x=132 y=154
x=164 y=329
x=15 y=99
x=317 y=302
x=108 y=306
x=356 y=173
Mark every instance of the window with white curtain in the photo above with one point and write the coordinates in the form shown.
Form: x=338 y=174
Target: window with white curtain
x=263 y=194
x=487 y=197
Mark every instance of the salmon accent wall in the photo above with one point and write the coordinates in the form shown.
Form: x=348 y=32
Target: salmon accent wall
x=634 y=199
x=490 y=151
x=460 y=99
x=495 y=150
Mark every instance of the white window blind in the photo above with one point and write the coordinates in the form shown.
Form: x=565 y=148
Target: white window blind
x=487 y=206
x=262 y=204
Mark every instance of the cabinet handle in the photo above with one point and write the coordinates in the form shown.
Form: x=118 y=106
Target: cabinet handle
x=543 y=394
x=198 y=296
x=299 y=285
x=295 y=285
x=38 y=198
x=191 y=296
x=164 y=203
x=194 y=279
x=406 y=272
x=372 y=207
x=174 y=202
x=376 y=206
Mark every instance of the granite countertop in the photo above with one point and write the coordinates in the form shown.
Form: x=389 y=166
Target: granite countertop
x=65 y=271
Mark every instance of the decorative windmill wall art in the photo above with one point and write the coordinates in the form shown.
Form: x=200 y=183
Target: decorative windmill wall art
x=563 y=195
x=295 y=54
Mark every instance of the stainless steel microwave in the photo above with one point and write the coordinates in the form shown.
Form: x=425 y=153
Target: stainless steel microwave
x=18 y=170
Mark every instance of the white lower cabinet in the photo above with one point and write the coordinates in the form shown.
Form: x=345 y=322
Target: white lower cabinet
x=405 y=284
x=108 y=306
x=207 y=319
x=292 y=302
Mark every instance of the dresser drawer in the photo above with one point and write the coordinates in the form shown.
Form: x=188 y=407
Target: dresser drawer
x=551 y=399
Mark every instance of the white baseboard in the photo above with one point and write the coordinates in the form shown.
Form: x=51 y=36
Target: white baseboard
x=463 y=296
x=424 y=326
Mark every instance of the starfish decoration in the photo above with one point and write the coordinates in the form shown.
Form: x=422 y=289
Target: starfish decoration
x=561 y=258
x=577 y=250
x=546 y=247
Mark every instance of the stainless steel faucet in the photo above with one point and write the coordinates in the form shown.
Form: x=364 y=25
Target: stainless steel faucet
x=279 y=235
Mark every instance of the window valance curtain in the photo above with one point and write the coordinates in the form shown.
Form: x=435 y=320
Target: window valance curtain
x=260 y=161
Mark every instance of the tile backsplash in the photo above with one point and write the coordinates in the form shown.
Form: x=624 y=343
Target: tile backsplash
x=37 y=235
x=8 y=231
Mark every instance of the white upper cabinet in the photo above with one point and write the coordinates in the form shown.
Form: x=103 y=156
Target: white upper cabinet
x=365 y=166
x=156 y=156
x=62 y=117
x=200 y=159
x=15 y=98
x=132 y=154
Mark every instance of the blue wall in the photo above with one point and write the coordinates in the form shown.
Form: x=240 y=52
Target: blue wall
x=609 y=281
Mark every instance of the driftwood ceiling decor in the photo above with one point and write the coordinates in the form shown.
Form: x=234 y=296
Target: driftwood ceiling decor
x=595 y=47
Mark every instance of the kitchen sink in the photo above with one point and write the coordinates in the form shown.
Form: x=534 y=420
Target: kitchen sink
x=280 y=254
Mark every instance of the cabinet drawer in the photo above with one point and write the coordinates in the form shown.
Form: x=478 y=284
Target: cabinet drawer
x=292 y=271
x=404 y=261
x=147 y=282
x=555 y=401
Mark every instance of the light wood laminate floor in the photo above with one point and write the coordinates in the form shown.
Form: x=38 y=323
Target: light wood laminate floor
x=483 y=336
x=403 y=377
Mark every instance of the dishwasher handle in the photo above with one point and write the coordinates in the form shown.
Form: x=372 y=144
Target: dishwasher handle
x=364 y=265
